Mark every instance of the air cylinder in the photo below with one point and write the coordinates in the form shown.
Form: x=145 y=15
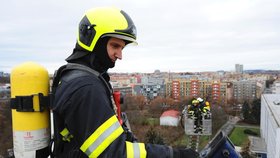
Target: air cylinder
x=30 y=112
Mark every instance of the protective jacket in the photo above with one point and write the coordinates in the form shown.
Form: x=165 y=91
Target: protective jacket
x=86 y=124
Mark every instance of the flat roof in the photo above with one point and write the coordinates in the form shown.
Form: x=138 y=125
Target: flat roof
x=273 y=102
x=257 y=145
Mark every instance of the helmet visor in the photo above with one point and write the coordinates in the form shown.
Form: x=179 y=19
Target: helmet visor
x=123 y=37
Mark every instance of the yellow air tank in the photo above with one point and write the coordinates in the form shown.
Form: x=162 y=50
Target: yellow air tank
x=30 y=110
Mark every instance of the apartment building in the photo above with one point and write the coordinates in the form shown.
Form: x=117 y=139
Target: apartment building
x=245 y=90
x=270 y=124
x=150 y=91
x=180 y=88
x=275 y=88
x=239 y=68
x=190 y=88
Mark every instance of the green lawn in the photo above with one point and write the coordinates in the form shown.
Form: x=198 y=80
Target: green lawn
x=239 y=138
x=152 y=121
x=183 y=141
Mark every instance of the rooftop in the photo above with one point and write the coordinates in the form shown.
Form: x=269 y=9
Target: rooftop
x=273 y=102
x=257 y=145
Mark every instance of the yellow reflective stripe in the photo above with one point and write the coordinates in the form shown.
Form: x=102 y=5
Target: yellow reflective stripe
x=102 y=137
x=129 y=150
x=95 y=150
x=143 y=152
x=135 y=150
x=66 y=135
x=64 y=132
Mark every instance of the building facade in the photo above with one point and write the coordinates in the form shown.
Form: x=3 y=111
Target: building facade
x=270 y=124
x=239 y=68
x=149 y=91
x=215 y=91
x=275 y=88
x=244 y=90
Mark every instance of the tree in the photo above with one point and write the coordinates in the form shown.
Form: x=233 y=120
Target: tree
x=269 y=82
x=6 y=133
x=168 y=101
x=155 y=107
x=134 y=102
x=246 y=111
x=246 y=151
x=219 y=118
x=4 y=79
x=256 y=111
x=140 y=99
x=153 y=137
x=129 y=103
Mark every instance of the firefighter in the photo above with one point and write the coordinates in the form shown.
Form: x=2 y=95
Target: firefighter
x=207 y=111
x=201 y=103
x=196 y=114
x=192 y=108
x=205 y=108
x=85 y=121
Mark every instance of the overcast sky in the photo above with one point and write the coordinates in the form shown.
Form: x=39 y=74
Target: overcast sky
x=177 y=35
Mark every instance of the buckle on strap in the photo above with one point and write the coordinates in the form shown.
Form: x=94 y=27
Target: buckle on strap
x=66 y=135
x=26 y=103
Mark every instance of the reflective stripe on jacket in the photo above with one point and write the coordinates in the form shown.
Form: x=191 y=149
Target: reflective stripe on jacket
x=102 y=137
x=83 y=105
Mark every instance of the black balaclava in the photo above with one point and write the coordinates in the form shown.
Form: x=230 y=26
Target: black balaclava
x=98 y=59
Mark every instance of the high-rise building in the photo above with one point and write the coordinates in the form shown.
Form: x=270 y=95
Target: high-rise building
x=270 y=129
x=276 y=87
x=190 y=88
x=150 y=91
x=239 y=68
x=244 y=90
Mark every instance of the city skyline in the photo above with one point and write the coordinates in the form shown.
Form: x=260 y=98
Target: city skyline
x=3 y=72
x=177 y=36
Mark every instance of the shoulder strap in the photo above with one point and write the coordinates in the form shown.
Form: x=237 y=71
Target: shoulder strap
x=56 y=78
x=74 y=66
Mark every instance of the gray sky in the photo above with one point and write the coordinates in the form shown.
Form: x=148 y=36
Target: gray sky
x=177 y=35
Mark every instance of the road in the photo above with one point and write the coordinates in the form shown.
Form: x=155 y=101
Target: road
x=229 y=126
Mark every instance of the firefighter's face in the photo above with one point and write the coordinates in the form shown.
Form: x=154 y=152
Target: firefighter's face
x=114 y=48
